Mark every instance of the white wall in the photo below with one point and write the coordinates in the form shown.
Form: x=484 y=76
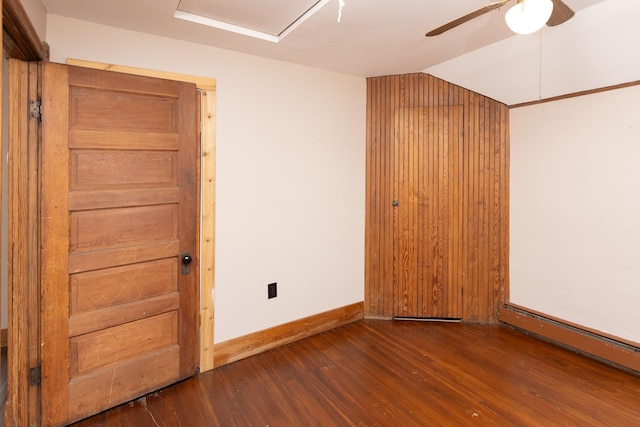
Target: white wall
x=575 y=210
x=588 y=51
x=290 y=172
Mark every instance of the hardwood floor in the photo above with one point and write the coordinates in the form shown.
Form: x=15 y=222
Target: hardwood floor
x=393 y=373
x=3 y=383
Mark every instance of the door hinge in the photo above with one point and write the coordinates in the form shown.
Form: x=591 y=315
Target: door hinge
x=35 y=109
x=35 y=375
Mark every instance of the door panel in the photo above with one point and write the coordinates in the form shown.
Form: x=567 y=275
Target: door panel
x=120 y=193
x=103 y=288
x=94 y=109
x=109 y=346
x=113 y=170
x=426 y=232
x=122 y=227
x=132 y=378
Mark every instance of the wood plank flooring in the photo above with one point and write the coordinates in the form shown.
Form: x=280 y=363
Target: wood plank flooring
x=3 y=383
x=395 y=373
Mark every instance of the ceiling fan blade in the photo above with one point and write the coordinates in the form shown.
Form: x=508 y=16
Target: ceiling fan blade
x=561 y=13
x=468 y=17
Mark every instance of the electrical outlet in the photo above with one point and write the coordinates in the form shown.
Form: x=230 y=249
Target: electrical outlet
x=272 y=290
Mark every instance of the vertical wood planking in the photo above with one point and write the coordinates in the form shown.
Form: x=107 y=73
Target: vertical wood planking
x=472 y=219
x=455 y=198
x=481 y=307
x=424 y=285
x=373 y=241
x=442 y=305
x=394 y=98
x=464 y=189
x=422 y=252
x=493 y=229
x=369 y=172
x=399 y=298
x=470 y=183
x=504 y=204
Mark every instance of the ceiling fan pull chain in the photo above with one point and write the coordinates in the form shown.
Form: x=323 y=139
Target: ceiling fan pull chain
x=540 y=71
x=340 y=6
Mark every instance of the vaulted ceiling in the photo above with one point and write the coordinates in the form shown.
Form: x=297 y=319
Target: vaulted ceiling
x=596 y=48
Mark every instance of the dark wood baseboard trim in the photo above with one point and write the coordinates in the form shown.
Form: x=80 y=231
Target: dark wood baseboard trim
x=268 y=339
x=608 y=348
x=576 y=94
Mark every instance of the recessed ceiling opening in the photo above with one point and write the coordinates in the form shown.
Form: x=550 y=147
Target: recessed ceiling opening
x=250 y=18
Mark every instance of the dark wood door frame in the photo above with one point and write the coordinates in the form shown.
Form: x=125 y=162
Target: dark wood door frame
x=19 y=38
x=21 y=41
x=23 y=238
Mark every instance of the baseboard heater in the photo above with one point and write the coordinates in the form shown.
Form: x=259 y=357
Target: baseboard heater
x=607 y=348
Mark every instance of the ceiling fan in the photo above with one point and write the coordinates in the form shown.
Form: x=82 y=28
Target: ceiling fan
x=559 y=13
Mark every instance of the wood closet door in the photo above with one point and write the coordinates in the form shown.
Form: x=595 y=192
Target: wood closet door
x=119 y=210
x=427 y=212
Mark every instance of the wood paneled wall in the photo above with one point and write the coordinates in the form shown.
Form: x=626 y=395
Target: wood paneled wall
x=484 y=244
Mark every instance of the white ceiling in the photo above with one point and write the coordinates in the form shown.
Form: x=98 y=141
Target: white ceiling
x=598 y=47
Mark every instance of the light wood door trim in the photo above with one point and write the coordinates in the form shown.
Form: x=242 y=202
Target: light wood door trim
x=202 y=83
x=207 y=228
x=207 y=86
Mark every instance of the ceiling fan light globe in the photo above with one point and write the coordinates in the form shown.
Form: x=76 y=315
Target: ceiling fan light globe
x=529 y=16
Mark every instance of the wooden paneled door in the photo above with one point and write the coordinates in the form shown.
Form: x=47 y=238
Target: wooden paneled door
x=119 y=224
x=427 y=212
